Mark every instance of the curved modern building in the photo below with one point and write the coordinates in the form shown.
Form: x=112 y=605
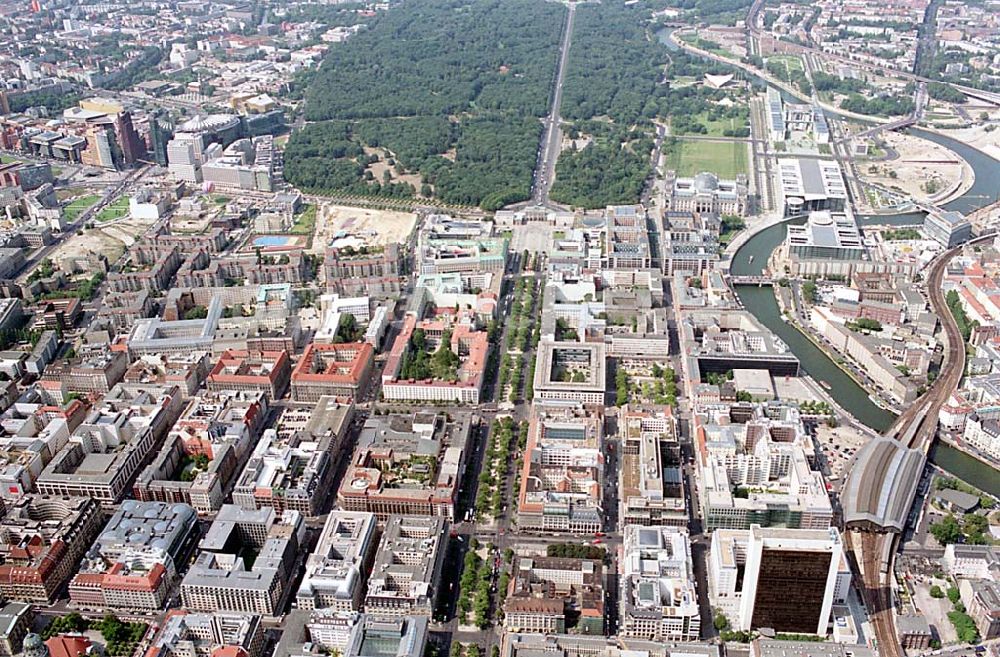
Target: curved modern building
x=221 y=128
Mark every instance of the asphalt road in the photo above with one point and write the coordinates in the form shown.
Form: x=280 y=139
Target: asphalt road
x=552 y=134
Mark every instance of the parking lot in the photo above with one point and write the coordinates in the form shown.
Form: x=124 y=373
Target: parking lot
x=839 y=444
x=935 y=609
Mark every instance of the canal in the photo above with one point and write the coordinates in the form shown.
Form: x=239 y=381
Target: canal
x=965 y=467
x=761 y=302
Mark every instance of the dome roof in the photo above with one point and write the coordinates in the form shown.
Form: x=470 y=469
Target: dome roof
x=706 y=182
x=210 y=123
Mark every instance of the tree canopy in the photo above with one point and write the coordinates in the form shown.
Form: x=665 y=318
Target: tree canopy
x=441 y=57
x=613 y=66
x=451 y=90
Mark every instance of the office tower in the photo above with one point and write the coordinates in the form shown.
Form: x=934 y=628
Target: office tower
x=784 y=579
x=159 y=136
x=132 y=146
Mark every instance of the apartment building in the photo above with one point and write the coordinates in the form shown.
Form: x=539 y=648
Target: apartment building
x=404 y=578
x=409 y=465
x=149 y=266
x=354 y=268
x=43 y=541
x=336 y=569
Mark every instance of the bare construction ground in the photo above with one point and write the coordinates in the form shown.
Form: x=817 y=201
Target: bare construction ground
x=378 y=226
x=984 y=136
x=923 y=169
x=111 y=240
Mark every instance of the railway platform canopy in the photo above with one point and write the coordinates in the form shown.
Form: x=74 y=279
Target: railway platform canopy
x=881 y=485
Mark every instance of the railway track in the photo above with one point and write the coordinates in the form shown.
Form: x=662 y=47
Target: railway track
x=877 y=591
x=916 y=428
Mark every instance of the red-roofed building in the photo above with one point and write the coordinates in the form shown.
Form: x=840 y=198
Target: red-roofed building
x=122 y=587
x=470 y=345
x=229 y=651
x=64 y=645
x=262 y=371
x=44 y=541
x=337 y=370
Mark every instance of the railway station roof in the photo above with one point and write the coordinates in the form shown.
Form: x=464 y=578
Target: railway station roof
x=880 y=487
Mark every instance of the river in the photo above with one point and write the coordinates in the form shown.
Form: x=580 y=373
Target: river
x=815 y=362
x=761 y=302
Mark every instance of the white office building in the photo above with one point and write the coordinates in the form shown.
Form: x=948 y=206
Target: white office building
x=659 y=601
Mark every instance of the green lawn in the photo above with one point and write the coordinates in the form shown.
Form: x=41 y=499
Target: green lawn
x=8 y=159
x=77 y=207
x=305 y=221
x=117 y=210
x=790 y=63
x=724 y=159
x=706 y=44
x=718 y=127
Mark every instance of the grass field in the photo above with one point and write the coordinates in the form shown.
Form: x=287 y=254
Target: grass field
x=718 y=127
x=77 y=207
x=724 y=159
x=305 y=222
x=116 y=210
x=791 y=64
x=706 y=44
